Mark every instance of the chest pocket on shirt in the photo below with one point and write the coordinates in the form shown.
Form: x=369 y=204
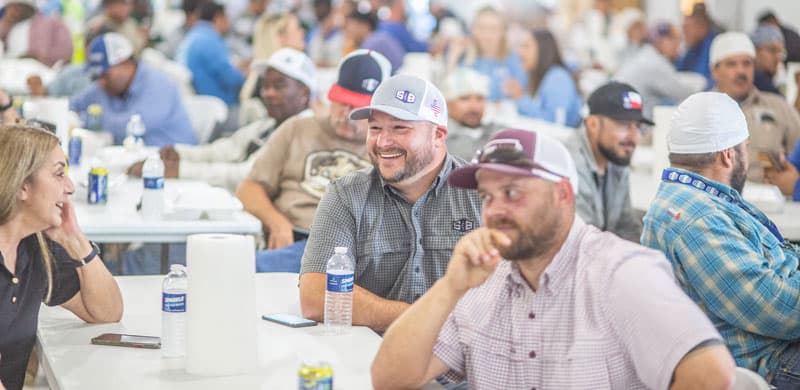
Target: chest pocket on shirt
x=441 y=247
x=584 y=362
x=381 y=263
x=498 y=360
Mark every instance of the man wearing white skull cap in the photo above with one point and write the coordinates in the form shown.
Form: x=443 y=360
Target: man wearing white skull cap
x=726 y=254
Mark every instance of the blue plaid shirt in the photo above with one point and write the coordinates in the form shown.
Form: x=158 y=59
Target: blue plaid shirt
x=727 y=260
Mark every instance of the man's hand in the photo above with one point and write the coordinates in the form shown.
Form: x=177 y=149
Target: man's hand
x=171 y=169
x=36 y=86
x=785 y=179
x=135 y=170
x=168 y=153
x=280 y=233
x=474 y=258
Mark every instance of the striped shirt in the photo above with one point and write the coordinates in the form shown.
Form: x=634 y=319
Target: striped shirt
x=727 y=260
x=400 y=248
x=608 y=315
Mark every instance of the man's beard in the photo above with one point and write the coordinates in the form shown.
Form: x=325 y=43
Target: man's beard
x=529 y=244
x=414 y=164
x=611 y=155
x=739 y=174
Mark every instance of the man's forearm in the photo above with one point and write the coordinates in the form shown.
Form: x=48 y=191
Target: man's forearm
x=368 y=309
x=256 y=201
x=373 y=311
x=406 y=355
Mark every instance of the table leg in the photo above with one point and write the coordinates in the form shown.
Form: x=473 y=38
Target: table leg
x=164 y=258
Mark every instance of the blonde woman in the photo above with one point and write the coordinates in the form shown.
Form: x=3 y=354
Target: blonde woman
x=45 y=256
x=272 y=32
x=487 y=51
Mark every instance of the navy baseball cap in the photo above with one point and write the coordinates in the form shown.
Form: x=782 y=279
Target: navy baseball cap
x=618 y=101
x=106 y=51
x=360 y=74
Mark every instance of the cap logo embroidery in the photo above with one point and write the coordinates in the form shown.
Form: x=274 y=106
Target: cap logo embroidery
x=463 y=225
x=632 y=101
x=369 y=84
x=436 y=108
x=405 y=96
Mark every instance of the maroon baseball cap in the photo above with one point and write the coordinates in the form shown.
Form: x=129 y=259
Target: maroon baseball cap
x=519 y=153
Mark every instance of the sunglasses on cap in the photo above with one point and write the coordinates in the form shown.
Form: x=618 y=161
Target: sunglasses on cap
x=511 y=152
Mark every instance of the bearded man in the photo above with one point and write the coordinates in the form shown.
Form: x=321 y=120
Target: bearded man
x=602 y=149
x=399 y=219
x=536 y=298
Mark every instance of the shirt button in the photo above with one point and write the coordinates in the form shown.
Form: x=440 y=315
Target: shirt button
x=13 y=299
x=15 y=280
x=416 y=269
x=531 y=315
x=532 y=355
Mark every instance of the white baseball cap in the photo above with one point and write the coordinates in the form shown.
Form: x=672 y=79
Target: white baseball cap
x=730 y=44
x=291 y=62
x=107 y=50
x=706 y=122
x=465 y=81
x=407 y=98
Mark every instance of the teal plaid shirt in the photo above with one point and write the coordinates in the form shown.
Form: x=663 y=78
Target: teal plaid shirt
x=728 y=262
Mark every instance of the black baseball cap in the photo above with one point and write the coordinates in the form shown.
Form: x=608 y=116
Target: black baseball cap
x=618 y=101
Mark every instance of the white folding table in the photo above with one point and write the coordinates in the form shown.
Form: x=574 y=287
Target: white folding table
x=69 y=361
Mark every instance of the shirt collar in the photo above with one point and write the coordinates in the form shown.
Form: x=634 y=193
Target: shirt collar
x=586 y=150
x=723 y=189
x=559 y=268
x=438 y=182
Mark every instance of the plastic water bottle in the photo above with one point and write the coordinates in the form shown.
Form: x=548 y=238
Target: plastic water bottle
x=134 y=131
x=153 y=191
x=340 y=272
x=173 y=312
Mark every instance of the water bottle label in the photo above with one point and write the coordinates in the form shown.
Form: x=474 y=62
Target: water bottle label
x=173 y=303
x=340 y=283
x=154 y=183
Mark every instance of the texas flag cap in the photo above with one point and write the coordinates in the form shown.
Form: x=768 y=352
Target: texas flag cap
x=617 y=101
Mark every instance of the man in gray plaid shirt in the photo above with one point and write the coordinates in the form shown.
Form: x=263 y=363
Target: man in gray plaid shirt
x=401 y=218
x=571 y=308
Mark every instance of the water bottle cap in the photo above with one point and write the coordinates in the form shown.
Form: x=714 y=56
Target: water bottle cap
x=341 y=250
x=177 y=268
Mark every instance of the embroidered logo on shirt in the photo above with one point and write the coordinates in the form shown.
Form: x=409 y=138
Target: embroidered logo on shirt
x=405 y=96
x=463 y=225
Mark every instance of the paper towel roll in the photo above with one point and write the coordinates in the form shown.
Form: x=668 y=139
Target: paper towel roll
x=221 y=316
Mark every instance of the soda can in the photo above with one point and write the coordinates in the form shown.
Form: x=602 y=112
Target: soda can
x=75 y=150
x=316 y=376
x=98 y=186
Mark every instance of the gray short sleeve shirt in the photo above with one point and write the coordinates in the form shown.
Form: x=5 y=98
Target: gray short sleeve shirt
x=400 y=248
